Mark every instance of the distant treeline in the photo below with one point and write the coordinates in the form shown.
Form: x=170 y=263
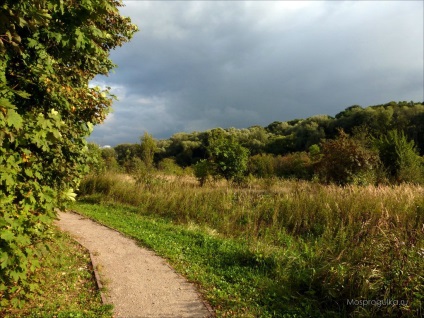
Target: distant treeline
x=299 y=145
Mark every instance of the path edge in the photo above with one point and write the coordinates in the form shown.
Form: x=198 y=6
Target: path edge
x=93 y=262
x=97 y=277
x=212 y=312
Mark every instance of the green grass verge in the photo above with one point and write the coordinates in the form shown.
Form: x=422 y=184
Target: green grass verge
x=67 y=287
x=236 y=278
x=233 y=279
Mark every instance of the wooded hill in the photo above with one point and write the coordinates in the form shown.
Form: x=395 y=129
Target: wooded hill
x=299 y=144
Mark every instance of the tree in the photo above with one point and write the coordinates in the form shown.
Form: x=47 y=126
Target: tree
x=346 y=160
x=148 y=150
x=262 y=166
x=202 y=171
x=109 y=158
x=400 y=157
x=49 y=52
x=228 y=158
x=127 y=152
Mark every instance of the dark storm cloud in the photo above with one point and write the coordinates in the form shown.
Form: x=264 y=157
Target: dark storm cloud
x=199 y=65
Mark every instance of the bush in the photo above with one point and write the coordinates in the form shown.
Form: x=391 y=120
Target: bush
x=262 y=165
x=168 y=165
x=346 y=160
x=400 y=158
x=202 y=171
x=295 y=165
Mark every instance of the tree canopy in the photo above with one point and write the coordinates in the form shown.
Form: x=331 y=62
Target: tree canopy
x=304 y=148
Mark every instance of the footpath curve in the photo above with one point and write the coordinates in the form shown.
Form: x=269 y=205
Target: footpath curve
x=138 y=282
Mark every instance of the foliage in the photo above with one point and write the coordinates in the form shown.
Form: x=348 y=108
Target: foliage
x=295 y=136
x=95 y=160
x=108 y=156
x=262 y=166
x=169 y=166
x=346 y=160
x=125 y=152
x=400 y=157
x=202 y=171
x=295 y=165
x=148 y=149
x=298 y=165
x=49 y=50
x=227 y=157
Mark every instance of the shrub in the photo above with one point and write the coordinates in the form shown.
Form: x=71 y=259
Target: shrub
x=47 y=109
x=202 y=171
x=168 y=165
x=400 y=157
x=346 y=160
x=262 y=165
x=295 y=165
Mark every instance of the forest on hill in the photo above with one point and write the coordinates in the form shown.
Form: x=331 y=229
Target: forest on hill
x=381 y=143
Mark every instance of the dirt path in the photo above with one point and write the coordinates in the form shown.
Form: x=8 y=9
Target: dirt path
x=138 y=282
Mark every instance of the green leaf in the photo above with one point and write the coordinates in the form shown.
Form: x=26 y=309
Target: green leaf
x=70 y=194
x=6 y=103
x=22 y=22
x=23 y=94
x=4 y=258
x=13 y=119
x=29 y=172
x=7 y=235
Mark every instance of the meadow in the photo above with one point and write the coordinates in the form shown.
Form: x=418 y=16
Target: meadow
x=273 y=247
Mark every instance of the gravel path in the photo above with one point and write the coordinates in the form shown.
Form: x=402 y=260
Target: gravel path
x=138 y=282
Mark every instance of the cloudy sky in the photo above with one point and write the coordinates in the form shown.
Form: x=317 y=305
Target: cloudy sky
x=197 y=65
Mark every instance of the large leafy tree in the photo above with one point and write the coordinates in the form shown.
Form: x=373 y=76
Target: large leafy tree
x=227 y=157
x=49 y=52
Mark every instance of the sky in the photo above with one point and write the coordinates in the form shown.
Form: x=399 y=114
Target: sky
x=198 y=65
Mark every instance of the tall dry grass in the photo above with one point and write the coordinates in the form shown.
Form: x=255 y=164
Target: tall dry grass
x=332 y=243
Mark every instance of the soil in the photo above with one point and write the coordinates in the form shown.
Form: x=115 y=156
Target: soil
x=138 y=283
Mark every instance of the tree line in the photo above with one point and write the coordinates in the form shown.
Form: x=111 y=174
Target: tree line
x=382 y=143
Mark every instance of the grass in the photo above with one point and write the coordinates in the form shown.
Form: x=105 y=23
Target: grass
x=66 y=284
x=278 y=248
x=229 y=275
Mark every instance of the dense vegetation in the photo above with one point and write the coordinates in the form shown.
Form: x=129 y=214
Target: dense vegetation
x=274 y=247
x=49 y=51
x=321 y=217
x=376 y=144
